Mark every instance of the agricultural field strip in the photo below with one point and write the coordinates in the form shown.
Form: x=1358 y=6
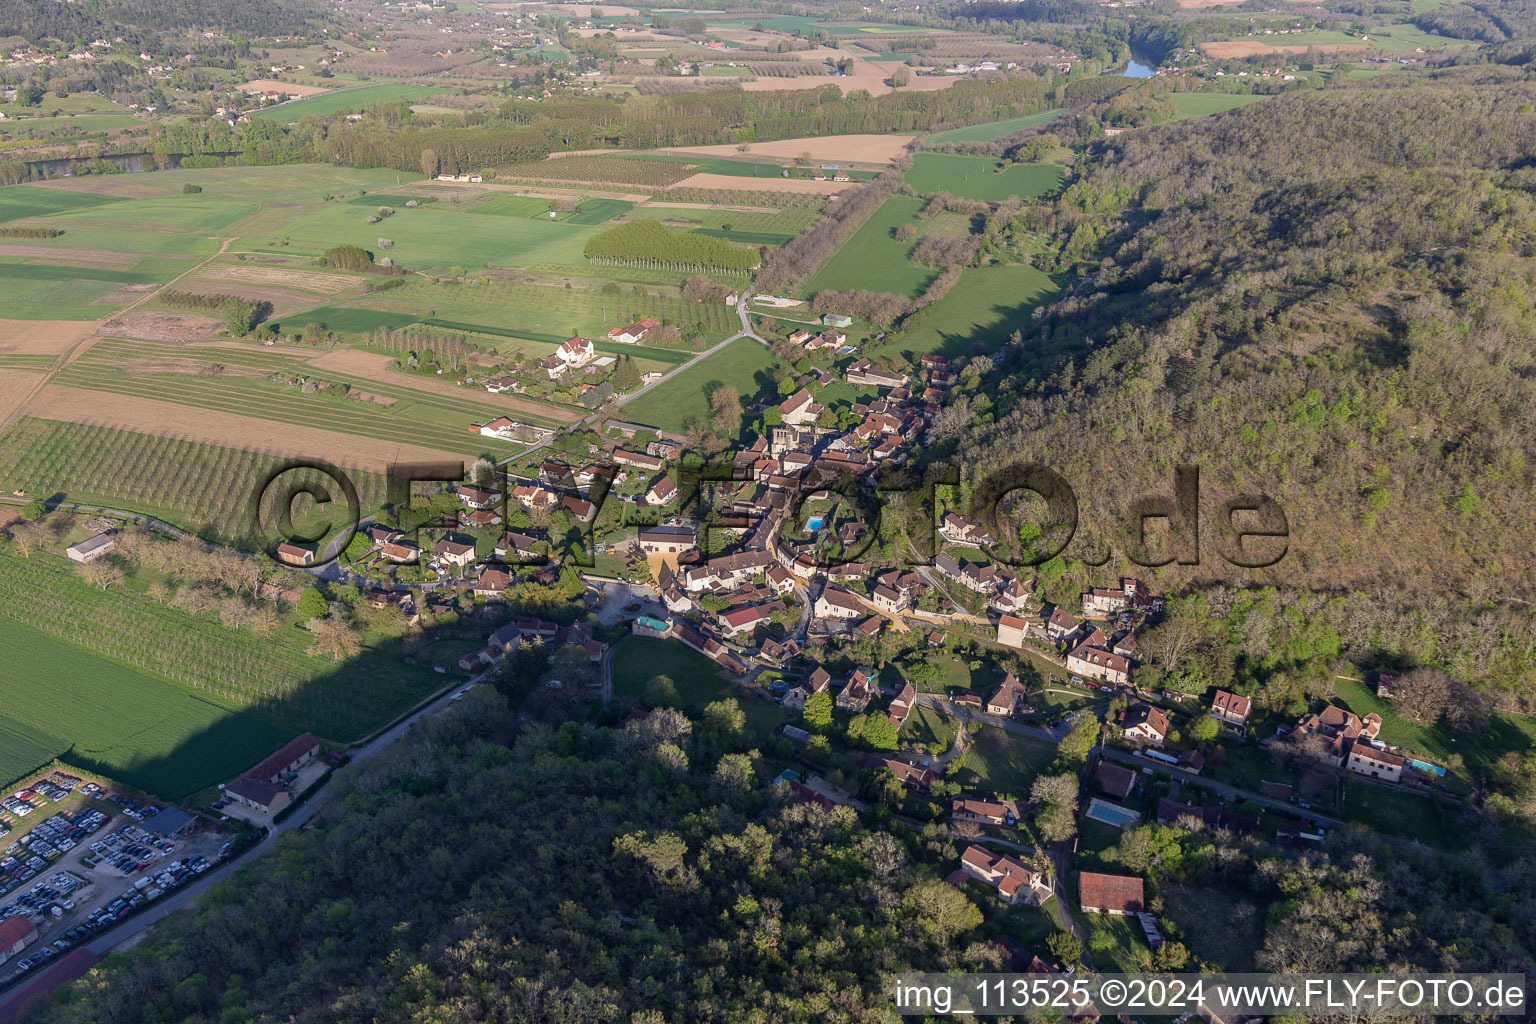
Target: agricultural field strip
x=466 y=407
x=311 y=412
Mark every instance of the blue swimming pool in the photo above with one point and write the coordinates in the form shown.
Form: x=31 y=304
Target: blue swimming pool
x=815 y=523
x=1112 y=814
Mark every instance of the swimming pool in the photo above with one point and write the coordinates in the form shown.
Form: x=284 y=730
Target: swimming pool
x=815 y=523
x=1112 y=814
x=1427 y=768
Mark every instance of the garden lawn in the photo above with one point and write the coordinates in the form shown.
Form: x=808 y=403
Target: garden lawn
x=743 y=364
x=997 y=761
x=1396 y=812
x=986 y=306
x=699 y=681
x=1115 y=944
x=996 y=129
x=978 y=177
x=873 y=258
x=1480 y=751
x=928 y=727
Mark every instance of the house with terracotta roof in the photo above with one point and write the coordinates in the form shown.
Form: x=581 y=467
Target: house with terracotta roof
x=901 y=705
x=1060 y=625
x=837 y=603
x=1097 y=663
x=1114 y=780
x=633 y=334
x=293 y=554
x=799 y=408
x=1015 y=882
x=1008 y=695
x=1119 y=895
x=913 y=776
x=1144 y=724
x=1230 y=708
x=1374 y=762
x=1012 y=631
x=985 y=812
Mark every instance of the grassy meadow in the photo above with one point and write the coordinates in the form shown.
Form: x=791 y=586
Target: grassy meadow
x=986 y=306
x=873 y=258
x=980 y=177
x=996 y=129
x=743 y=364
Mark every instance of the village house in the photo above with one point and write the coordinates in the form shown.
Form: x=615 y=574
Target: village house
x=863 y=373
x=636 y=331
x=492 y=583
x=454 y=552
x=1100 y=604
x=661 y=492
x=1060 y=625
x=1119 y=895
x=818 y=681
x=477 y=497
x=836 y=603
x=1010 y=693
x=799 y=409
x=959 y=530
x=1230 y=708
x=1144 y=724
x=1115 y=780
x=1015 y=883
x=983 y=812
x=666 y=540
x=1096 y=663
x=1339 y=728
x=1374 y=762
x=399 y=552
x=859 y=690
x=638 y=460
x=913 y=776
x=901 y=705
x=1012 y=631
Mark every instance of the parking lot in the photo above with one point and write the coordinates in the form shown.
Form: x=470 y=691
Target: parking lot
x=77 y=858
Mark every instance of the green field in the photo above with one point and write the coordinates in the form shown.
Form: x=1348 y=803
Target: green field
x=127 y=725
x=551 y=313
x=980 y=177
x=986 y=306
x=873 y=258
x=19 y=201
x=413 y=417
x=930 y=729
x=231 y=673
x=1198 y=104
x=746 y=237
x=996 y=129
x=589 y=212
x=350 y=100
x=41 y=291
x=743 y=364
x=347 y=319
x=791 y=23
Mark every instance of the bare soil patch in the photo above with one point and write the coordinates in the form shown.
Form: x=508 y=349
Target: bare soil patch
x=376 y=365
x=1239 y=48
x=867 y=149
x=42 y=337
x=304 y=280
x=733 y=183
x=15 y=386
x=196 y=367
x=146 y=416
x=107 y=185
x=160 y=325
x=288 y=87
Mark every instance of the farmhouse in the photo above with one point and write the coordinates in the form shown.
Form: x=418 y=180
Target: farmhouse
x=1014 y=882
x=91 y=548
x=986 y=812
x=1109 y=894
x=632 y=334
x=1339 y=728
x=576 y=351
x=639 y=460
x=1098 y=604
x=799 y=409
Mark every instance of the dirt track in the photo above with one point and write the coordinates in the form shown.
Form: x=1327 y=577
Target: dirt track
x=376 y=366
x=15 y=386
x=146 y=416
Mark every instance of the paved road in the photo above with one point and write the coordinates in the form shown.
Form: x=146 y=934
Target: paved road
x=186 y=897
